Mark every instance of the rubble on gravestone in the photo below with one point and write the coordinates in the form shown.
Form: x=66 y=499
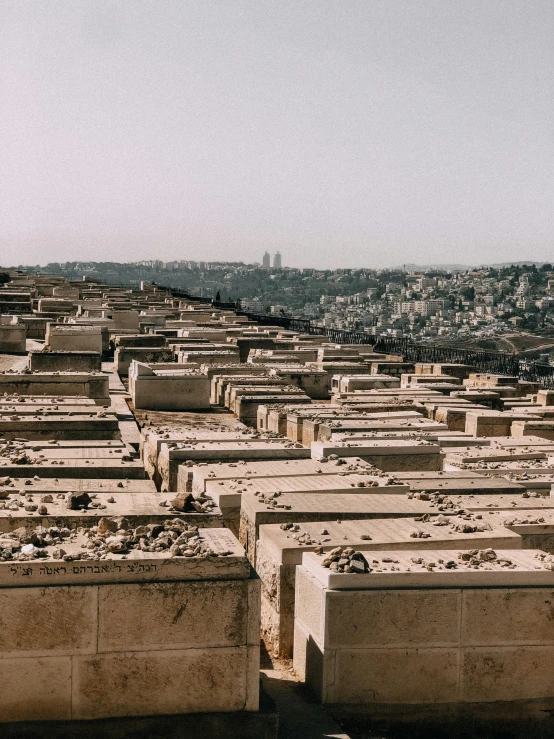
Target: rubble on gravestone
x=111 y=536
x=346 y=559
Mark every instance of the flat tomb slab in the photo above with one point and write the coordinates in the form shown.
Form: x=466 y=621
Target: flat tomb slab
x=389 y=456
x=300 y=507
x=512 y=568
x=95 y=468
x=227 y=493
x=242 y=470
x=133 y=566
x=286 y=546
x=279 y=552
x=139 y=508
x=170 y=458
x=64 y=485
x=457 y=482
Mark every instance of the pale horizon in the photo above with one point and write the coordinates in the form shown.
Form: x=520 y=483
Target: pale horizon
x=363 y=134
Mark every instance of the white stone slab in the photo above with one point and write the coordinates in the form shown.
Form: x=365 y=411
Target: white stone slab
x=529 y=571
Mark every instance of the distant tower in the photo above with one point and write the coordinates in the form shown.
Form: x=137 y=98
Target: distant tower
x=266 y=263
x=277 y=260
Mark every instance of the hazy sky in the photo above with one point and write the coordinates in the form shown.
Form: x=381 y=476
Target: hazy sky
x=341 y=132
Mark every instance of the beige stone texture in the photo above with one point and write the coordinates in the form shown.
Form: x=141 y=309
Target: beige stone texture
x=50 y=621
x=158 y=616
x=402 y=618
x=395 y=676
x=507 y=673
x=310 y=604
x=35 y=688
x=159 y=682
x=507 y=616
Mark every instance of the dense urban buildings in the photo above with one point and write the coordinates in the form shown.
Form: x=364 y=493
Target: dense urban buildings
x=218 y=526
x=507 y=307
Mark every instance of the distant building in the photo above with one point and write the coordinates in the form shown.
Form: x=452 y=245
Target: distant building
x=277 y=260
x=266 y=261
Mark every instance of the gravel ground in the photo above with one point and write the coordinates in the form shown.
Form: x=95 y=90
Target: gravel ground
x=19 y=361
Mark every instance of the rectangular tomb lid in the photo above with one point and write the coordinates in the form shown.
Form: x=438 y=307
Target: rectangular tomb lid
x=136 y=566
x=468 y=456
x=378 y=505
x=68 y=484
x=205 y=450
x=371 y=448
x=287 y=546
x=228 y=494
x=245 y=470
x=504 y=502
x=526 y=568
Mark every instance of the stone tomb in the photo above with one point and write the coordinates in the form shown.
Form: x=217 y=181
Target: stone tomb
x=44 y=409
x=388 y=456
x=196 y=478
x=29 y=508
x=461 y=482
x=168 y=390
x=320 y=427
x=124 y=355
x=227 y=494
x=37 y=485
x=356 y=634
x=129 y=636
x=31 y=465
x=152 y=443
x=54 y=426
x=297 y=508
x=171 y=456
x=74 y=338
x=12 y=336
x=88 y=385
x=46 y=361
x=279 y=552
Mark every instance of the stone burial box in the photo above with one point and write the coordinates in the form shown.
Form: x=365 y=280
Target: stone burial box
x=54 y=426
x=227 y=371
x=29 y=509
x=88 y=385
x=297 y=508
x=494 y=423
x=127 y=635
x=151 y=442
x=173 y=455
x=13 y=336
x=388 y=456
x=60 y=361
x=29 y=465
x=356 y=430
x=295 y=418
x=461 y=458
x=47 y=408
x=74 y=338
x=63 y=402
x=543 y=429
x=196 y=478
x=315 y=383
x=246 y=406
x=461 y=482
x=168 y=390
x=227 y=494
x=411 y=634
x=37 y=485
x=279 y=552
x=349 y=383
x=124 y=355
x=320 y=426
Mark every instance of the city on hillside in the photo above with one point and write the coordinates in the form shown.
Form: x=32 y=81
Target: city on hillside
x=506 y=308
